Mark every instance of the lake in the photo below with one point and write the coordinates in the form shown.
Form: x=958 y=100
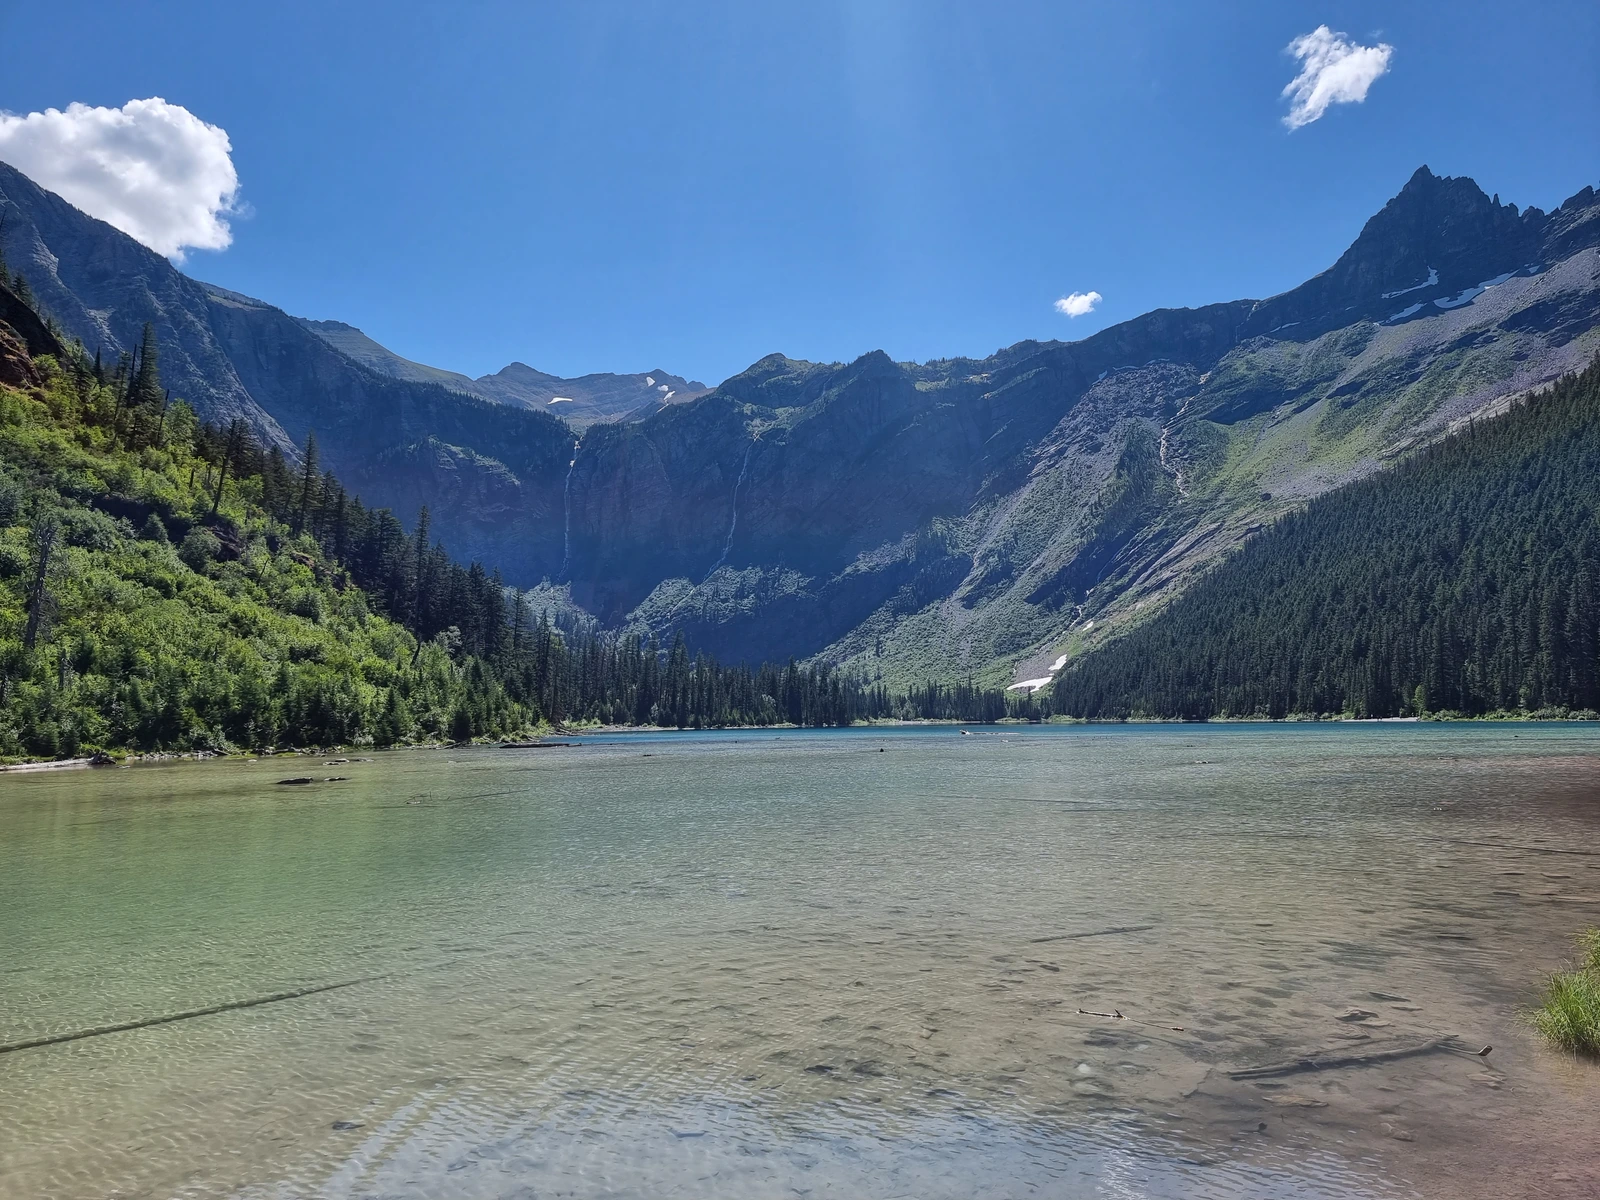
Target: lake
x=799 y=963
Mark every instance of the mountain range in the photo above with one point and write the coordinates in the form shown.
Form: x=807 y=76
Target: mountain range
x=579 y=402
x=991 y=517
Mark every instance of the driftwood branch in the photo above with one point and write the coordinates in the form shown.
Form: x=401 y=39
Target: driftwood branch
x=1330 y=1059
x=100 y=1030
x=1067 y=937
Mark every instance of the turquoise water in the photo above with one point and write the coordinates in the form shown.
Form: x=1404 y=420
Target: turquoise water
x=818 y=963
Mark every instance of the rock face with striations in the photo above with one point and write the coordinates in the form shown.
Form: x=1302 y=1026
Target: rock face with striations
x=984 y=516
x=942 y=518
x=232 y=356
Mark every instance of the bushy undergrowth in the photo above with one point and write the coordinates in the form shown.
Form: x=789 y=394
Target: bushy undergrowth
x=1569 y=1014
x=148 y=603
x=166 y=585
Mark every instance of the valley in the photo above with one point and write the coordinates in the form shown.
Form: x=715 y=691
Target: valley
x=951 y=519
x=904 y=520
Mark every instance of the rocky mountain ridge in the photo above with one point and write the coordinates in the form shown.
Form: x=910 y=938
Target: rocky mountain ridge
x=997 y=516
x=916 y=520
x=579 y=402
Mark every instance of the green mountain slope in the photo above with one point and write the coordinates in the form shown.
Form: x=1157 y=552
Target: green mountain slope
x=150 y=600
x=1464 y=580
x=171 y=585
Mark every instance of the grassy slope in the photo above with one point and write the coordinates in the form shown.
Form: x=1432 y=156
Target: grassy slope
x=1466 y=570
x=246 y=637
x=1331 y=411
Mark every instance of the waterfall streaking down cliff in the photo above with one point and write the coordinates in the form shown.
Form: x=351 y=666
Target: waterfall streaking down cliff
x=733 y=522
x=566 y=517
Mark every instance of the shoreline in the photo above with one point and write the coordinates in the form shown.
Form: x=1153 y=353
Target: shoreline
x=124 y=758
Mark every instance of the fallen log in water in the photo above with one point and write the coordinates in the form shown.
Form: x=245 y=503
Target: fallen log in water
x=1328 y=1060
x=52 y=765
x=1529 y=849
x=1067 y=937
x=167 y=1019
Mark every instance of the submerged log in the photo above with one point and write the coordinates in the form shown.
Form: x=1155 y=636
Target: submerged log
x=168 y=1018
x=1327 y=1060
x=1067 y=937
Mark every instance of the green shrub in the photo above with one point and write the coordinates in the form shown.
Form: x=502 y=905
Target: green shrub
x=1589 y=943
x=90 y=529
x=200 y=548
x=1569 y=1013
x=307 y=603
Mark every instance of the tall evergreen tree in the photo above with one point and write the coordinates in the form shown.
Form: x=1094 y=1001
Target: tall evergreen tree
x=308 y=482
x=147 y=382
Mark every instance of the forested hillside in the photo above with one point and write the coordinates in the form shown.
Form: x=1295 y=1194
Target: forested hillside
x=1466 y=580
x=170 y=584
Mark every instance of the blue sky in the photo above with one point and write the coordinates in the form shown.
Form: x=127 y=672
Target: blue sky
x=688 y=186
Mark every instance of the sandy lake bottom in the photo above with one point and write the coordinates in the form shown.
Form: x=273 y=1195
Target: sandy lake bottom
x=807 y=964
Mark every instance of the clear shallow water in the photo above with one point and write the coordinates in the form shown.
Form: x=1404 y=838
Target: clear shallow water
x=775 y=965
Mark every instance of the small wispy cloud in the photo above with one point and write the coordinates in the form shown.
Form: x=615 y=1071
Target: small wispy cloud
x=1333 y=70
x=1077 y=304
x=152 y=169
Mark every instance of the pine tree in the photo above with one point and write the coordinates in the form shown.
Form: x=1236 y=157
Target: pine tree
x=308 y=482
x=421 y=604
x=238 y=433
x=147 y=383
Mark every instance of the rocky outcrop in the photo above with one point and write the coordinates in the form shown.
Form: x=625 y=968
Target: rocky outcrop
x=16 y=365
x=23 y=337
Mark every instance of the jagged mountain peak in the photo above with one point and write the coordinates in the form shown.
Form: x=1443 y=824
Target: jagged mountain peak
x=875 y=363
x=778 y=381
x=1438 y=235
x=1440 y=223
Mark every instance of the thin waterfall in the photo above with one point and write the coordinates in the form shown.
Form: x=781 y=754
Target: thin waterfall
x=733 y=524
x=566 y=507
x=1166 y=433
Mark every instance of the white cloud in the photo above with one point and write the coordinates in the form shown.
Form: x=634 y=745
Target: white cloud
x=154 y=170
x=1333 y=70
x=1078 y=303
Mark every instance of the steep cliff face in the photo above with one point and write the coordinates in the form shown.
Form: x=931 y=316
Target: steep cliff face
x=101 y=286
x=985 y=516
x=992 y=516
x=233 y=356
x=490 y=474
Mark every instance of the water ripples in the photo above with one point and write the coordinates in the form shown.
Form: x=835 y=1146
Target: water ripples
x=756 y=966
